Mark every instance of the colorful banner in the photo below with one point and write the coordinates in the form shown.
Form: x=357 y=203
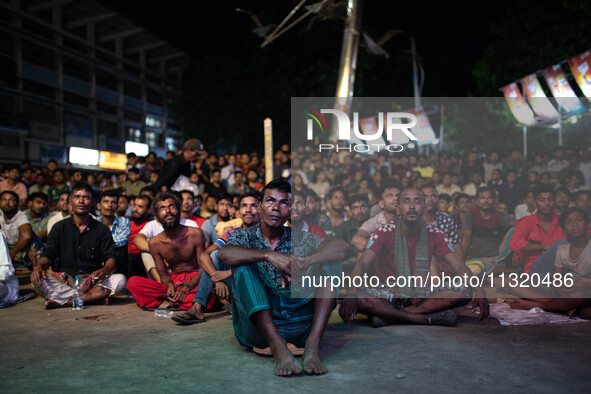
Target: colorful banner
x=579 y=65
x=561 y=90
x=521 y=111
x=369 y=126
x=423 y=130
x=398 y=137
x=536 y=97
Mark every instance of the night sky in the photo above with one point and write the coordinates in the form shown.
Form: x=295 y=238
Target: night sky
x=448 y=42
x=230 y=74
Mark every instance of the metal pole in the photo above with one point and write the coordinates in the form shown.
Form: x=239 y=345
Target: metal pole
x=415 y=73
x=268 y=123
x=348 y=64
x=441 y=129
x=524 y=142
x=559 y=130
x=415 y=83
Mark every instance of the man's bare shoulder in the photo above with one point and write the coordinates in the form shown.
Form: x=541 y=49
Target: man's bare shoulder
x=195 y=232
x=157 y=240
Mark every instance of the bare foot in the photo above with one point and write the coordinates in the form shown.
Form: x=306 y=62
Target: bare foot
x=518 y=303
x=285 y=364
x=164 y=305
x=53 y=305
x=196 y=310
x=312 y=363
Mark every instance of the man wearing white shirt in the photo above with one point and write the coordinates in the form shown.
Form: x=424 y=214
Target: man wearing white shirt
x=63 y=210
x=447 y=187
x=8 y=281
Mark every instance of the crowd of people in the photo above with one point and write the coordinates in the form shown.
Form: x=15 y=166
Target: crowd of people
x=195 y=232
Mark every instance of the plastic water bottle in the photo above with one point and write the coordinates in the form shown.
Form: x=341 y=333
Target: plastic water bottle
x=77 y=301
x=163 y=313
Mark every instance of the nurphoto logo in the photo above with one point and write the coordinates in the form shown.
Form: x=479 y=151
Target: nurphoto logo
x=394 y=121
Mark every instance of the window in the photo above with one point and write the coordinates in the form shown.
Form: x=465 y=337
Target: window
x=107 y=80
x=76 y=68
x=40 y=112
x=38 y=55
x=132 y=89
x=38 y=89
x=75 y=99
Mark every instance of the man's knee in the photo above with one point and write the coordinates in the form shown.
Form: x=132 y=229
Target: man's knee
x=245 y=273
x=134 y=283
x=451 y=299
x=367 y=304
x=115 y=283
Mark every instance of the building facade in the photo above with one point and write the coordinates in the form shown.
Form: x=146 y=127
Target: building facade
x=76 y=73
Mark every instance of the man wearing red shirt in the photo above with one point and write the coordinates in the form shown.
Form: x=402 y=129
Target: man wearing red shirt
x=188 y=208
x=139 y=217
x=535 y=233
x=298 y=210
x=404 y=249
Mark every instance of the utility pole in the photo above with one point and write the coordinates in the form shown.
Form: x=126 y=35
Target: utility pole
x=348 y=64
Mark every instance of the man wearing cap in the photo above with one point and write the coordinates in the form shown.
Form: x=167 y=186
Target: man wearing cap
x=179 y=165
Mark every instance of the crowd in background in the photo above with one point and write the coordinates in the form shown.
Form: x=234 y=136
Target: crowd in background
x=329 y=179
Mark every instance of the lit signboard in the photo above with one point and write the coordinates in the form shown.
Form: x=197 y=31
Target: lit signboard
x=580 y=66
x=521 y=111
x=83 y=156
x=112 y=161
x=561 y=90
x=537 y=98
x=137 y=147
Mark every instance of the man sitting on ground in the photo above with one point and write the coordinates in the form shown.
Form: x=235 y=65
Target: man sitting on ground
x=188 y=207
x=264 y=313
x=483 y=227
x=18 y=231
x=347 y=230
x=389 y=204
x=37 y=213
x=8 y=281
x=298 y=210
x=139 y=219
x=223 y=205
x=141 y=241
x=78 y=245
x=216 y=273
x=437 y=220
x=314 y=214
x=179 y=246
x=572 y=258
x=336 y=205
x=62 y=212
x=406 y=249
x=536 y=233
x=120 y=227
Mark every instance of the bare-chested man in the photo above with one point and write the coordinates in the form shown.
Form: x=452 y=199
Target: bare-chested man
x=215 y=273
x=180 y=247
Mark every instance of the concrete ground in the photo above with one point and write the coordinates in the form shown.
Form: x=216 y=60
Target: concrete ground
x=120 y=348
